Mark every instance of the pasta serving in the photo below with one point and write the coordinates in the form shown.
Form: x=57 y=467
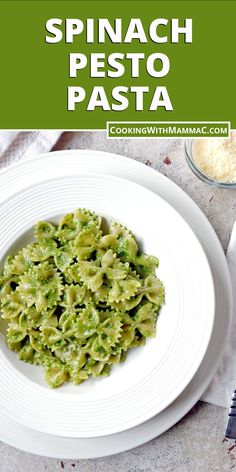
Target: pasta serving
x=78 y=298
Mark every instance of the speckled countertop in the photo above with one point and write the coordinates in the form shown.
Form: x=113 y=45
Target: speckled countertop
x=196 y=443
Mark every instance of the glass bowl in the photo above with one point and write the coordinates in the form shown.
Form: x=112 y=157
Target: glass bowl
x=189 y=158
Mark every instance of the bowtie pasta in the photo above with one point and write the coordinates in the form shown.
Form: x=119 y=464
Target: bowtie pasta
x=78 y=298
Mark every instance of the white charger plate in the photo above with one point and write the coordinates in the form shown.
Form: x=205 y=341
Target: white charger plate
x=86 y=161
x=152 y=377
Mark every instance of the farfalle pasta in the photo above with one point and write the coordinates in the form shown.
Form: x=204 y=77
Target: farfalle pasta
x=78 y=298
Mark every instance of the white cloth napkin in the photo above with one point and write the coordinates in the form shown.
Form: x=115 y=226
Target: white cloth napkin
x=17 y=145
x=222 y=386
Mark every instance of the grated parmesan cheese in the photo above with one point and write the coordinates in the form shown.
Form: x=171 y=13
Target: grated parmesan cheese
x=216 y=158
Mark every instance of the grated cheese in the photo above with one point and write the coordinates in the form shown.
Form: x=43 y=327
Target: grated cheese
x=216 y=158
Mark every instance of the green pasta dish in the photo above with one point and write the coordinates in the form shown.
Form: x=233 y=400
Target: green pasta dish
x=79 y=297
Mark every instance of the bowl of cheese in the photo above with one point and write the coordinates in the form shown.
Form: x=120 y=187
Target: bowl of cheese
x=213 y=160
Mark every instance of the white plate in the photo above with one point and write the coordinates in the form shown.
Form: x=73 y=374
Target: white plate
x=86 y=161
x=152 y=377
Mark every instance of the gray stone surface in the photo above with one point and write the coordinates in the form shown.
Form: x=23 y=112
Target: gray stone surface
x=196 y=443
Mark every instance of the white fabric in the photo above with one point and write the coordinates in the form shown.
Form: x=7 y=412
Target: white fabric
x=224 y=382
x=17 y=145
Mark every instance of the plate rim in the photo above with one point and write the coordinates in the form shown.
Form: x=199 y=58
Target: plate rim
x=186 y=207
x=151 y=194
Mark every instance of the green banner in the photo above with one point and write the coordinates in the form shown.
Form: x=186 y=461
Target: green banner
x=81 y=64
